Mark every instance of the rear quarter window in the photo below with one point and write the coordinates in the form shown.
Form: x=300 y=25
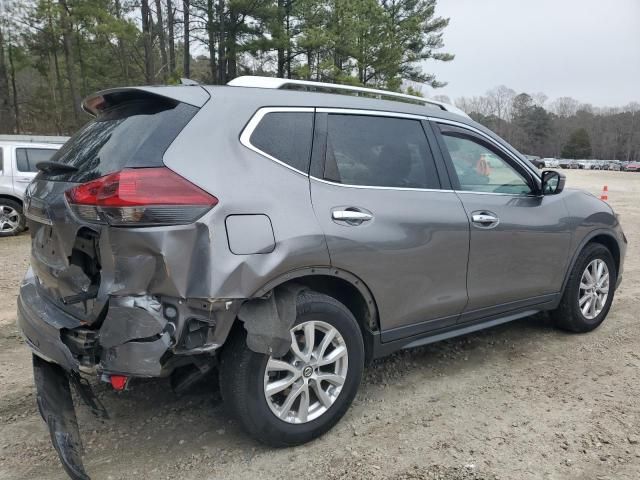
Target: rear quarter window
x=132 y=134
x=285 y=136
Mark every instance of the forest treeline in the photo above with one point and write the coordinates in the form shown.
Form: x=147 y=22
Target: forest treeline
x=55 y=52
x=561 y=128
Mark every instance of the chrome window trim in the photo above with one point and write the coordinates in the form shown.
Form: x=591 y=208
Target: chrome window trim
x=489 y=139
x=245 y=139
x=245 y=136
x=376 y=113
x=374 y=187
x=382 y=113
x=473 y=192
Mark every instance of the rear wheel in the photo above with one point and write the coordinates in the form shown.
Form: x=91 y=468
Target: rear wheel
x=12 y=220
x=589 y=291
x=295 y=398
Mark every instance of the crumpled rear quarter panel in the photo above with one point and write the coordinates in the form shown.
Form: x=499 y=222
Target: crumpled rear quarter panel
x=209 y=154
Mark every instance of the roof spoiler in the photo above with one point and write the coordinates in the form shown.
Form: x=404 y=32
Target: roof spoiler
x=100 y=101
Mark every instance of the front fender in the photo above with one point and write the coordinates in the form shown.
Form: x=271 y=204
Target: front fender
x=593 y=219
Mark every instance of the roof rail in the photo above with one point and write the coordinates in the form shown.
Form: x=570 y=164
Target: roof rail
x=33 y=138
x=286 y=83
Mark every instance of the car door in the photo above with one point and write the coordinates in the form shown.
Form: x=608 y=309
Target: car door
x=377 y=193
x=26 y=159
x=519 y=240
x=6 y=178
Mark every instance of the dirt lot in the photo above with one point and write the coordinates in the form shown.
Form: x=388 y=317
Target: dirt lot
x=521 y=401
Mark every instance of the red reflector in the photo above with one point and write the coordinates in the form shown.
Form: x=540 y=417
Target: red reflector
x=118 y=382
x=140 y=187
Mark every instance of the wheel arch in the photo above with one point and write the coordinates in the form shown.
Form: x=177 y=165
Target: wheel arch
x=12 y=198
x=342 y=285
x=603 y=237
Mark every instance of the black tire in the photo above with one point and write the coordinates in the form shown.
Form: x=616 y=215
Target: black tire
x=568 y=315
x=242 y=377
x=22 y=221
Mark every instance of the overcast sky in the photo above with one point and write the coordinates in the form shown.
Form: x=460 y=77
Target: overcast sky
x=585 y=49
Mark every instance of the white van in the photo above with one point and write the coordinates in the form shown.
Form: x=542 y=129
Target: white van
x=19 y=155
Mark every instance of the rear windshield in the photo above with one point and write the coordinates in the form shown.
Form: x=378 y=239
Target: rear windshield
x=131 y=134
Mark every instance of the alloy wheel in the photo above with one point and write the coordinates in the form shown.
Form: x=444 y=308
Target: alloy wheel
x=594 y=289
x=306 y=382
x=9 y=219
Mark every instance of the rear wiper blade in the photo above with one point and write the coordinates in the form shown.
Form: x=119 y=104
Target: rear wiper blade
x=50 y=167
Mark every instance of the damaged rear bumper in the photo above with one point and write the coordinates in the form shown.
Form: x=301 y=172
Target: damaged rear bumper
x=40 y=324
x=56 y=407
x=139 y=336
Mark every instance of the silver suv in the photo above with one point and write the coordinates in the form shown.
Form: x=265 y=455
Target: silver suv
x=19 y=155
x=286 y=233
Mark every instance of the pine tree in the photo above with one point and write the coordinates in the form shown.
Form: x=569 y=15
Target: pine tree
x=578 y=146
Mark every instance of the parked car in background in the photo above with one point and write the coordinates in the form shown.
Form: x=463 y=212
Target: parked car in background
x=565 y=163
x=614 y=165
x=632 y=167
x=281 y=236
x=19 y=155
x=584 y=164
x=551 y=163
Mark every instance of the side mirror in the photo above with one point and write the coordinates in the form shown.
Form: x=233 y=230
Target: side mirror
x=552 y=182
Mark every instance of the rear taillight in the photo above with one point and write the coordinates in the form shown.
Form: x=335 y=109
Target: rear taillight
x=137 y=197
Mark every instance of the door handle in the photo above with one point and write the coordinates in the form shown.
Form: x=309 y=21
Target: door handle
x=351 y=216
x=485 y=219
x=24 y=180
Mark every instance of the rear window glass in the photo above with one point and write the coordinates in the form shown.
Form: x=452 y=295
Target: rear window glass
x=286 y=136
x=27 y=158
x=132 y=134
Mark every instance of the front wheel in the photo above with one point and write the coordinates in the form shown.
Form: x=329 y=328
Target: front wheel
x=589 y=291
x=293 y=399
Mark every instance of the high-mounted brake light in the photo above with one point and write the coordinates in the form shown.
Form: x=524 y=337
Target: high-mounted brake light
x=140 y=197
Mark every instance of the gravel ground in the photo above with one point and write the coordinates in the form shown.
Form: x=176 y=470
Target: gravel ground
x=520 y=401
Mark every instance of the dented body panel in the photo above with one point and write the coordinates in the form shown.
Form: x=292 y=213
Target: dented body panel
x=119 y=283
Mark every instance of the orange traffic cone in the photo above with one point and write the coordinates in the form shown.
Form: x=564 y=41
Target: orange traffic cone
x=605 y=193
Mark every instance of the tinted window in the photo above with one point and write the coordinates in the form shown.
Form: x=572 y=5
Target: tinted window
x=27 y=158
x=132 y=134
x=378 y=151
x=481 y=169
x=286 y=136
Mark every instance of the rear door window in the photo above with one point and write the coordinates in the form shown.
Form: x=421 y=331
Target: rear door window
x=131 y=134
x=378 y=151
x=285 y=136
x=28 y=158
